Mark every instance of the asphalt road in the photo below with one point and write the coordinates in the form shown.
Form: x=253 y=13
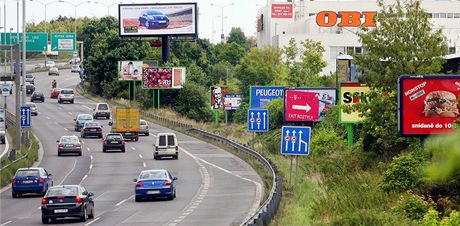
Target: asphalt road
x=214 y=186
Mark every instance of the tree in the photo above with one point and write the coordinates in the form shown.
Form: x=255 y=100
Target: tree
x=260 y=66
x=237 y=36
x=306 y=71
x=232 y=53
x=402 y=43
x=192 y=102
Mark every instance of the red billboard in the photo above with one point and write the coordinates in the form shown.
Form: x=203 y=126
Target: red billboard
x=301 y=106
x=281 y=10
x=428 y=104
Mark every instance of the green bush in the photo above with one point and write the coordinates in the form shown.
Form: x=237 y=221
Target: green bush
x=324 y=141
x=368 y=217
x=276 y=109
x=405 y=172
x=413 y=206
x=453 y=219
x=240 y=115
x=192 y=103
x=431 y=218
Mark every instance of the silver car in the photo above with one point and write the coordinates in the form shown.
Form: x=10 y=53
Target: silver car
x=53 y=71
x=143 y=127
x=33 y=108
x=69 y=144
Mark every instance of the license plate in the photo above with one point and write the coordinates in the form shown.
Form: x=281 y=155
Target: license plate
x=162 y=21
x=153 y=192
x=60 y=211
x=127 y=133
x=92 y=129
x=68 y=145
x=27 y=182
x=114 y=142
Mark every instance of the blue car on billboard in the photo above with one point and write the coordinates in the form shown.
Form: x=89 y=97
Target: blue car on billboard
x=153 y=19
x=155 y=183
x=30 y=180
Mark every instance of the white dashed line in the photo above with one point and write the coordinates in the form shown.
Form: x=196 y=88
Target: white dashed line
x=153 y=135
x=70 y=113
x=140 y=156
x=134 y=149
x=82 y=142
x=73 y=167
x=66 y=129
x=88 y=149
x=91 y=157
x=122 y=201
x=87 y=107
x=6 y=223
x=145 y=165
x=91 y=166
x=47 y=117
x=84 y=177
x=96 y=219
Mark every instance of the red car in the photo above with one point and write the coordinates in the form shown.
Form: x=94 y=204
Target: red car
x=55 y=93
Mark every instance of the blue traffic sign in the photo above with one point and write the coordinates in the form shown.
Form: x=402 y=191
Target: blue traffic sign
x=258 y=120
x=25 y=116
x=262 y=95
x=295 y=140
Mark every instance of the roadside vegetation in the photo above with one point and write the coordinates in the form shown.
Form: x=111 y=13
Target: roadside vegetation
x=383 y=179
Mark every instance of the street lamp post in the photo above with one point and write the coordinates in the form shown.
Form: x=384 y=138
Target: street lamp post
x=75 y=13
x=108 y=6
x=222 y=15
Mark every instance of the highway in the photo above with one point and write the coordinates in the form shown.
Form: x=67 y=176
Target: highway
x=214 y=187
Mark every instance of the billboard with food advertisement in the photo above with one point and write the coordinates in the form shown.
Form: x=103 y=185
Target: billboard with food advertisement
x=158 y=19
x=351 y=93
x=130 y=70
x=217 y=97
x=232 y=101
x=428 y=104
x=163 y=77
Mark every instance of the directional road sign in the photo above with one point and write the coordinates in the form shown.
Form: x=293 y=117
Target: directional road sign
x=36 y=41
x=258 y=120
x=295 y=140
x=301 y=106
x=5 y=89
x=63 y=42
x=25 y=116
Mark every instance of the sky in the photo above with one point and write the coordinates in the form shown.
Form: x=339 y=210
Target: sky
x=242 y=13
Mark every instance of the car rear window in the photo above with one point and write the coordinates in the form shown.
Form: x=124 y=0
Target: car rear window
x=103 y=107
x=143 y=123
x=91 y=124
x=171 y=140
x=85 y=117
x=29 y=76
x=154 y=175
x=67 y=91
x=166 y=138
x=27 y=173
x=69 y=140
x=63 y=191
x=114 y=137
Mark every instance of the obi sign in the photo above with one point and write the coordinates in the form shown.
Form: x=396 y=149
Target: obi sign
x=281 y=10
x=428 y=104
x=347 y=19
x=351 y=93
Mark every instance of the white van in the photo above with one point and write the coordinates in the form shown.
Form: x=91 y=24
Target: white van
x=101 y=110
x=166 y=146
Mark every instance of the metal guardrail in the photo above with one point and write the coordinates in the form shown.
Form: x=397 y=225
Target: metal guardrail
x=11 y=121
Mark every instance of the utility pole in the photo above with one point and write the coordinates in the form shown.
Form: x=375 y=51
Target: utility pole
x=17 y=81
x=226 y=112
x=24 y=42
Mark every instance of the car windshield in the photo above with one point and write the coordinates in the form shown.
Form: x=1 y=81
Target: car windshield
x=103 y=107
x=154 y=175
x=114 y=137
x=85 y=117
x=67 y=91
x=27 y=173
x=69 y=139
x=31 y=105
x=63 y=191
x=153 y=13
x=38 y=93
x=91 y=124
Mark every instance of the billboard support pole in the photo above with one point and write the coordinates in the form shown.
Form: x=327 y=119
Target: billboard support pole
x=158 y=96
x=350 y=134
x=129 y=92
x=153 y=99
x=217 y=118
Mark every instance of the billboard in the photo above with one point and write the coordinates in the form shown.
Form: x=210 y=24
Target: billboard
x=163 y=77
x=350 y=94
x=282 y=10
x=130 y=70
x=159 y=19
x=326 y=97
x=301 y=106
x=262 y=95
x=428 y=104
x=232 y=101
x=217 y=97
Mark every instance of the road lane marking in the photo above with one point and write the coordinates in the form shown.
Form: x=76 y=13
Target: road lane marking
x=73 y=167
x=91 y=166
x=153 y=135
x=140 y=156
x=124 y=200
x=70 y=113
x=47 y=117
x=66 y=129
x=6 y=223
x=96 y=219
x=87 y=107
x=84 y=177
x=101 y=195
x=145 y=165
x=91 y=156
x=88 y=149
x=82 y=142
x=133 y=148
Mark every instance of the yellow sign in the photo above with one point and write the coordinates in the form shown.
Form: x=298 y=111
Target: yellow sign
x=343 y=70
x=351 y=93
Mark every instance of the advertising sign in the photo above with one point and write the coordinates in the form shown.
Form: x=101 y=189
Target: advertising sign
x=350 y=94
x=5 y=89
x=326 y=97
x=428 y=104
x=343 y=70
x=281 y=10
x=232 y=101
x=262 y=95
x=163 y=77
x=36 y=41
x=63 y=42
x=301 y=106
x=130 y=70
x=295 y=140
x=2 y=119
x=217 y=97
x=347 y=19
x=157 y=19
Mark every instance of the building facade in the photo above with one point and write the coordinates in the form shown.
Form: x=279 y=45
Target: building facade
x=278 y=22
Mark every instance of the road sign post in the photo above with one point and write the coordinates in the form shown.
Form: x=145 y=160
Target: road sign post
x=25 y=116
x=258 y=120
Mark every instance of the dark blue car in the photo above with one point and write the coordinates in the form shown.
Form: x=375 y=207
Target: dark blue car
x=155 y=183
x=153 y=19
x=30 y=180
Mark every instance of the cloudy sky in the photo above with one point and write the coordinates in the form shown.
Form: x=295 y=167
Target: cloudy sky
x=241 y=14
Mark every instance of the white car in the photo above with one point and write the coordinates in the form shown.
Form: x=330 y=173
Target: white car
x=75 y=68
x=50 y=63
x=33 y=108
x=66 y=95
x=143 y=127
x=102 y=110
x=166 y=146
x=30 y=79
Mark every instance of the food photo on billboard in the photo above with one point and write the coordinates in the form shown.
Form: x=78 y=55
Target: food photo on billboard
x=428 y=104
x=157 y=19
x=163 y=77
x=129 y=70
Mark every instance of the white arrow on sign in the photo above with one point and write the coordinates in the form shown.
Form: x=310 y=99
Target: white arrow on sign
x=307 y=107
